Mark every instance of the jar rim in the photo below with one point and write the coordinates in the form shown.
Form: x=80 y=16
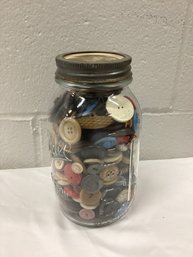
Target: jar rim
x=93 y=67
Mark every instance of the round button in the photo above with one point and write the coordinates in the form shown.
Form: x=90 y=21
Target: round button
x=68 y=190
x=72 y=177
x=106 y=142
x=122 y=196
x=89 y=161
x=58 y=164
x=90 y=105
x=89 y=207
x=94 y=152
x=109 y=174
x=111 y=208
x=94 y=168
x=70 y=130
x=90 y=199
x=120 y=108
x=77 y=167
x=60 y=177
x=108 y=207
x=136 y=121
x=123 y=139
x=114 y=157
x=122 y=132
x=91 y=184
x=122 y=147
x=87 y=214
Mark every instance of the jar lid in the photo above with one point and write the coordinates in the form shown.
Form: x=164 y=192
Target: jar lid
x=93 y=67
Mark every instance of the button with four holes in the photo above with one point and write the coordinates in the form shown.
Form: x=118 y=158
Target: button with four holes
x=70 y=130
x=109 y=174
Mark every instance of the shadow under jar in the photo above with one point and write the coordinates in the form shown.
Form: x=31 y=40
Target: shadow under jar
x=94 y=137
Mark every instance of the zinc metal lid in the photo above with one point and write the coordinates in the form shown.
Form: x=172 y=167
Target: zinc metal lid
x=93 y=67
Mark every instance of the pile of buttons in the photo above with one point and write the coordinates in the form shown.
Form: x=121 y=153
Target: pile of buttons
x=91 y=144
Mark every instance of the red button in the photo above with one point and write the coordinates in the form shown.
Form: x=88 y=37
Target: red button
x=71 y=193
x=123 y=139
x=70 y=175
x=87 y=214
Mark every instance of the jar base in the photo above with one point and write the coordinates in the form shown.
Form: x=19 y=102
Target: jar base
x=95 y=223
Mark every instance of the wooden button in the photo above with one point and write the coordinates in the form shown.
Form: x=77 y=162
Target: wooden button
x=70 y=130
x=90 y=199
x=109 y=174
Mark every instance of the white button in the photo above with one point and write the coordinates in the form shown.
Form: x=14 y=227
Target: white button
x=122 y=196
x=70 y=130
x=77 y=167
x=120 y=108
x=58 y=164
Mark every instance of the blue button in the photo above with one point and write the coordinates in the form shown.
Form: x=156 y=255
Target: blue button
x=135 y=121
x=94 y=168
x=90 y=106
x=106 y=142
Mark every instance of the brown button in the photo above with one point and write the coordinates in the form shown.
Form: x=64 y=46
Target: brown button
x=70 y=130
x=109 y=174
x=90 y=199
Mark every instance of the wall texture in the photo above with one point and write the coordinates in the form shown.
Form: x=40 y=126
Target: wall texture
x=158 y=34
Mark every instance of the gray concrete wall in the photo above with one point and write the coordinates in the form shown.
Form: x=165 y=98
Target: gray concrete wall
x=157 y=34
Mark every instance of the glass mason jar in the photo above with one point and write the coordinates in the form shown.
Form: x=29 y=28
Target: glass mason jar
x=94 y=137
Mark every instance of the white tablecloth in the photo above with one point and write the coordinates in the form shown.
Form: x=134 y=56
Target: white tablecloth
x=160 y=224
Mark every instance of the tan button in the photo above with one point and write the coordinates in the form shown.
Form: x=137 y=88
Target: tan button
x=58 y=164
x=89 y=161
x=122 y=147
x=114 y=157
x=90 y=199
x=122 y=196
x=77 y=167
x=120 y=108
x=109 y=174
x=70 y=130
x=88 y=207
x=62 y=182
x=58 y=176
